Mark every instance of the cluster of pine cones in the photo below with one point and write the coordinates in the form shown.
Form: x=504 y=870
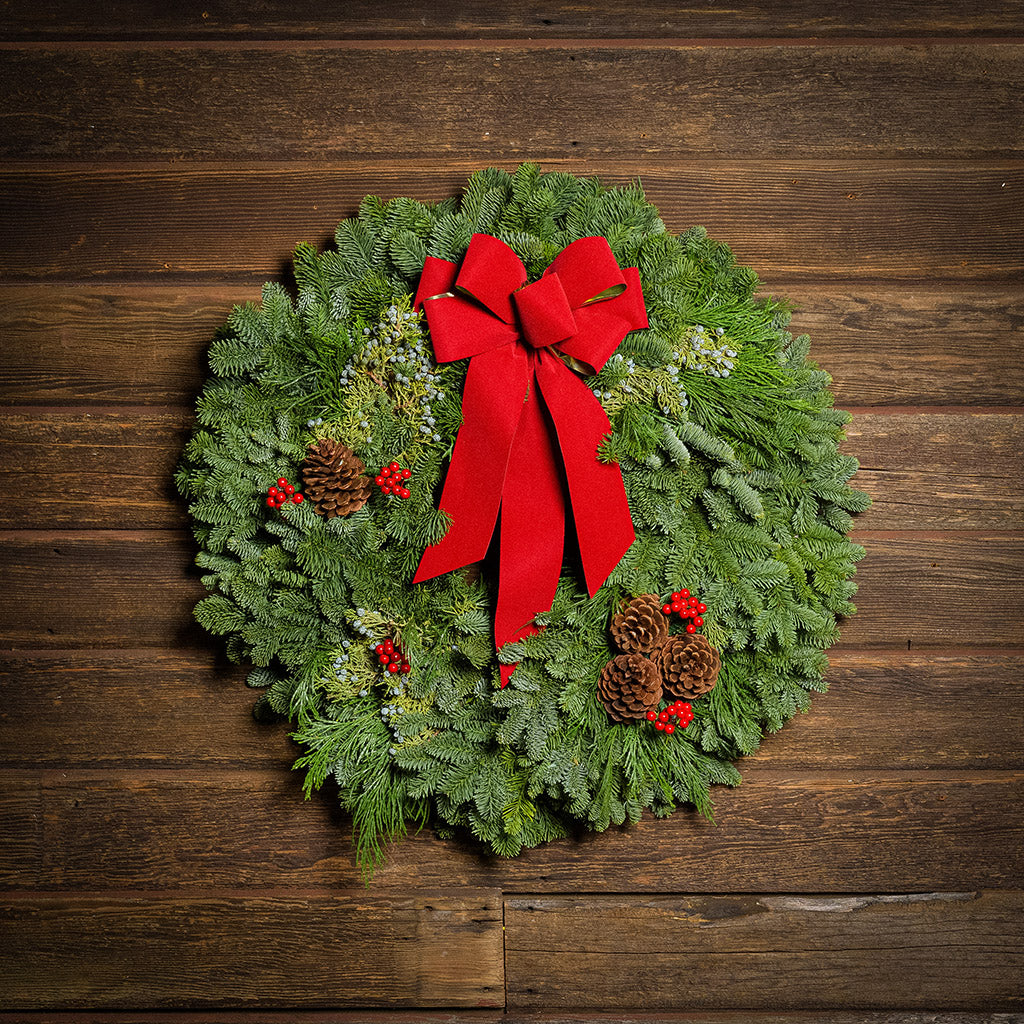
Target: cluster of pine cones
x=653 y=664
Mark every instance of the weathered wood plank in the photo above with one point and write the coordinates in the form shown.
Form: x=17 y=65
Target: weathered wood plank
x=515 y=1017
x=961 y=470
x=123 y=589
x=137 y=708
x=320 y=103
x=788 y=219
x=884 y=344
x=914 y=344
x=812 y=831
x=246 y=949
x=933 y=950
x=121 y=708
x=107 y=468
x=616 y=19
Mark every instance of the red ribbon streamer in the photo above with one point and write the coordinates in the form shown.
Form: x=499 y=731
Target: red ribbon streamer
x=531 y=427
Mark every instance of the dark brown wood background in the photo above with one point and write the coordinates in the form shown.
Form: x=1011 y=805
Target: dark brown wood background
x=159 y=161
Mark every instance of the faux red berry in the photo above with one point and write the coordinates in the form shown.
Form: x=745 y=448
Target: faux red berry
x=684 y=593
x=406 y=473
x=660 y=726
x=271 y=492
x=394 y=667
x=676 y=596
x=394 y=466
x=281 y=498
x=383 y=658
x=404 y=492
x=389 y=646
x=271 y=503
x=385 y=489
x=702 y=608
x=669 y=729
x=693 y=602
x=676 y=606
x=698 y=621
x=380 y=481
x=691 y=628
x=662 y=716
x=652 y=716
x=296 y=499
x=406 y=668
x=282 y=482
x=666 y=609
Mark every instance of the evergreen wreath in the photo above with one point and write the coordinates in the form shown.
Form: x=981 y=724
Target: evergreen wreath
x=727 y=441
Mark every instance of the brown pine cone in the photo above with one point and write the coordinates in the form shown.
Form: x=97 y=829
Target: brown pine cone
x=629 y=687
x=689 y=666
x=641 y=626
x=335 y=479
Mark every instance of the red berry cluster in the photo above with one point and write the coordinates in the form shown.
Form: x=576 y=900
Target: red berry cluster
x=687 y=607
x=391 y=480
x=663 y=720
x=284 y=491
x=392 y=657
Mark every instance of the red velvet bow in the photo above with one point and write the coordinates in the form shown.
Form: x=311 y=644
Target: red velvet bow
x=530 y=425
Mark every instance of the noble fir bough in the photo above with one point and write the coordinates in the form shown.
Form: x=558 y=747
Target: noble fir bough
x=727 y=441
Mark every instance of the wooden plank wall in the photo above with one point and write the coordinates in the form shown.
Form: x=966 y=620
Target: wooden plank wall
x=159 y=161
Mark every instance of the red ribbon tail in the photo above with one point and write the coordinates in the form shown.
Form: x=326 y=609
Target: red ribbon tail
x=532 y=530
x=492 y=404
x=600 y=508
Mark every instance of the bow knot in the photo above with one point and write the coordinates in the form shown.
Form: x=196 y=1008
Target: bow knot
x=529 y=418
x=545 y=316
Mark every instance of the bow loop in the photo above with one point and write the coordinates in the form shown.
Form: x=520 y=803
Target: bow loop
x=545 y=316
x=527 y=418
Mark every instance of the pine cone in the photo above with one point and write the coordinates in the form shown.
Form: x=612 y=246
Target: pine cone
x=335 y=479
x=640 y=626
x=689 y=666
x=629 y=687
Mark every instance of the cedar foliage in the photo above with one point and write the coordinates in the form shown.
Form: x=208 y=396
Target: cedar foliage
x=727 y=440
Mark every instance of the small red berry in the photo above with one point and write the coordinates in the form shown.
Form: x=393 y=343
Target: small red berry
x=406 y=668
x=385 y=489
x=271 y=492
x=281 y=482
x=394 y=667
x=280 y=499
x=652 y=716
x=289 y=490
x=676 y=606
x=379 y=649
x=691 y=628
x=660 y=726
x=662 y=716
x=698 y=621
x=296 y=499
x=383 y=659
x=666 y=609
x=676 y=596
x=684 y=593
x=380 y=480
x=669 y=729
x=693 y=602
x=404 y=492
x=406 y=473
x=271 y=503
x=389 y=646
x=394 y=466
x=702 y=608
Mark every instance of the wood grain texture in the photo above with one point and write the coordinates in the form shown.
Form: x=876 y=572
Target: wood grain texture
x=789 y=219
x=863 y=951
x=619 y=19
x=217 y=1016
x=189 y=708
x=247 y=949
x=136 y=589
x=106 y=468
x=309 y=103
x=145 y=344
x=798 y=831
